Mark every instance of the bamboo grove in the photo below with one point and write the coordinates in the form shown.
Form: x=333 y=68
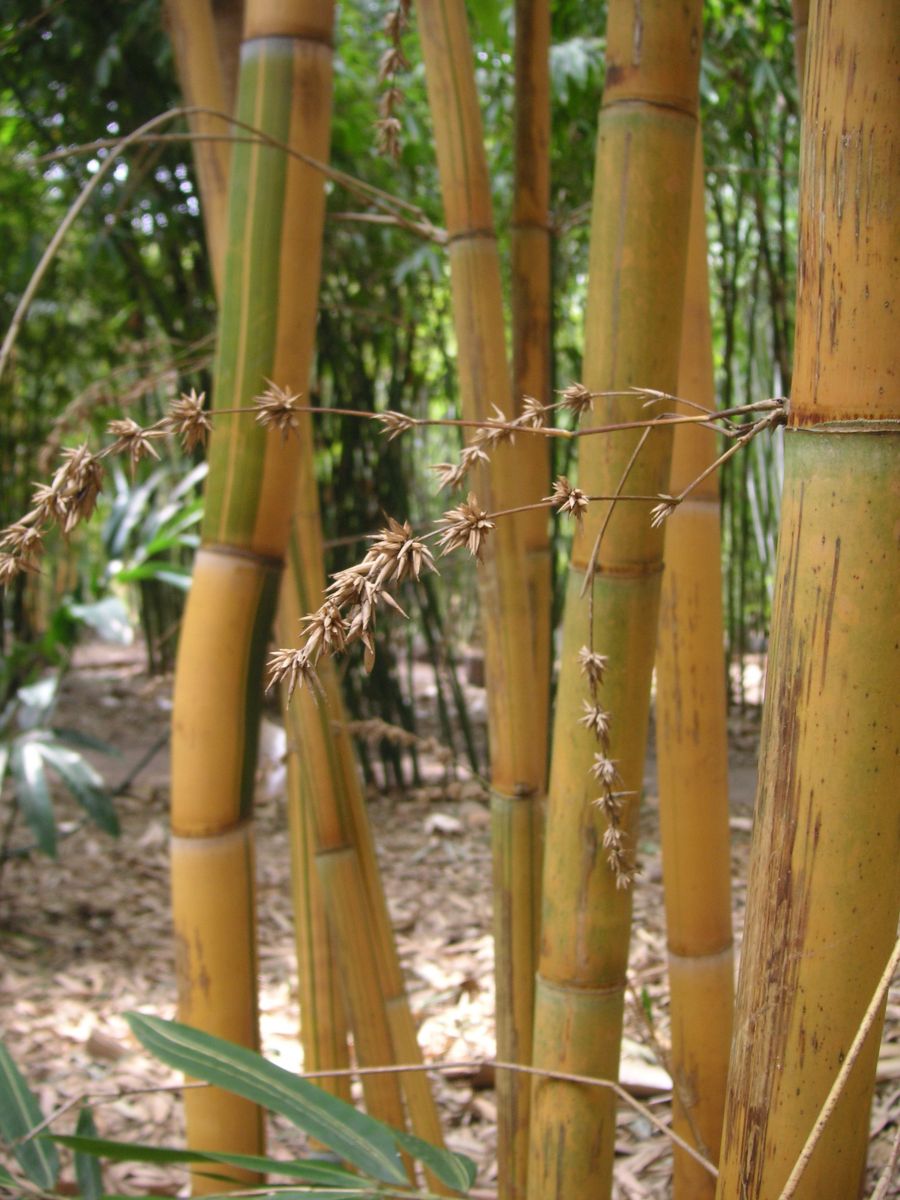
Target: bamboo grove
x=644 y=433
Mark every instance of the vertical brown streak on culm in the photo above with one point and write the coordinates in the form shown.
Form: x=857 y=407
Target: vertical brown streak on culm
x=637 y=39
x=829 y=614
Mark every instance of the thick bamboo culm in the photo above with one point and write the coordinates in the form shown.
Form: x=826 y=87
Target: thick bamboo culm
x=692 y=753
x=276 y=208
x=639 y=235
x=824 y=890
x=192 y=30
x=530 y=249
x=517 y=741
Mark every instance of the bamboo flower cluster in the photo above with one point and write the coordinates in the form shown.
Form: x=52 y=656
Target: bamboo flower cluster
x=393 y=61
x=604 y=770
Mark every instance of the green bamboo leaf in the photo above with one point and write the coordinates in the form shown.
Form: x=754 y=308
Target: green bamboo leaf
x=33 y=794
x=87 y=1169
x=354 y=1136
x=85 y=784
x=455 y=1170
x=19 y=1114
x=162 y=572
x=327 y=1174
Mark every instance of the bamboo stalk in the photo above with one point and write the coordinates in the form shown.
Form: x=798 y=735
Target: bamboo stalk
x=275 y=217
x=642 y=189
x=692 y=747
x=532 y=368
x=824 y=892
x=517 y=740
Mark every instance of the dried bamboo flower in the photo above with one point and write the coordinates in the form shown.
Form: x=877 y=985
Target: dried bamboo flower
x=661 y=511
x=604 y=770
x=533 y=413
x=568 y=499
x=396 y=555
x=79 y=481
x=326 y=632
x=395 y=23
x=592 y=665
x=395 y=423
x=390 y=100
x=494 y=432
x=387 y=136
x=277 y=409
x=132 y=439
x=23 y=540
x=12 y=565
x=577 y=399
x=466 y=525
x=391 y=63
x=452 y=474
x=189 y=419
x=293 y=668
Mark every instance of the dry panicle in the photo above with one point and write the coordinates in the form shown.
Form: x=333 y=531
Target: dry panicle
x=189 y=420
x=277 y=409
x=568 y=499
x=576 y=398
x=467 y=526
x=453 y=474
x=132 y=439
x=593 y=666
x=533 y=415
x=394 y=423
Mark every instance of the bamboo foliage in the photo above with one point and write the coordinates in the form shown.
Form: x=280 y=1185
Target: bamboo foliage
x=517 y=740
x=274 y=223
x=824 y=891
x=692 y=751
x=637 y=267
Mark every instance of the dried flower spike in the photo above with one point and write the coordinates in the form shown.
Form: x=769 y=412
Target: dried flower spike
x=23 y=540
x=466 y=525
x=592 y=665
x=189 y=420
x=532 y=416
x=293 y=668
x=577 y=399
x=396 y=555
x=568 y=499
x=132 y=439
x=277 y=409
x=394 y=423
x=660 y=512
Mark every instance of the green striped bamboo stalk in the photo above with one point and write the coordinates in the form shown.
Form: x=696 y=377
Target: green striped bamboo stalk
x=274 y=223
x=517 y=741
x=531 y=311
x=639 y=236
x=692 y=750
x=824 y=892
x=205 y=77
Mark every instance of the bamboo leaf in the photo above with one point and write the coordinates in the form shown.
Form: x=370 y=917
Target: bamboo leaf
x=356 y=1137
x=327 y=1174
x=85 y=784
x=87 y=1169
x=455 y=1170
x=33 y=794
x=19 y=1114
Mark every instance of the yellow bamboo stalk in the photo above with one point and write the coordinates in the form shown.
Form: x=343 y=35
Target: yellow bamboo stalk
x=824 y=891
x=276 y=209
x=692 y=749
x=530 y=245
x=517 y=740
x=642 y=189
x=193 y=33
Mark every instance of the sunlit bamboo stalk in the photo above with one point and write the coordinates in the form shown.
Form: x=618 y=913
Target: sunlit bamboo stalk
x=642 y=190
x=274 y=223
x=824 y=891
x=692 y=753
x=517 y=741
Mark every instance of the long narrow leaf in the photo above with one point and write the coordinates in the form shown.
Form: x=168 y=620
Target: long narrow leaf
x=354 y=1136
x=85 y=784
x=33 y=794
x=87 y=1169
x=327 y=1174
x=455 y=1170
x=19 y=1114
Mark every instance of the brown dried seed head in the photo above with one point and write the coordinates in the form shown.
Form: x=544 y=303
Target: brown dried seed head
x=396 y=555
x=277 y=409
x=568 y=499
x=466 y=525
x=593 y=665
x=392 y=61
x=23 y=540
x=12 y=565
x=292 y=668
x=532 y=413
x=189 y=419
x=603 y=769
x=132 y=439
x=576 y=398
x=493 y=433
x=387 y=136
x=394 y=423
x=660 y=512
x=326 y=632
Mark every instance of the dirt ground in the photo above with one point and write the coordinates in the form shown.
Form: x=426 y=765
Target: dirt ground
x=86 y=939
